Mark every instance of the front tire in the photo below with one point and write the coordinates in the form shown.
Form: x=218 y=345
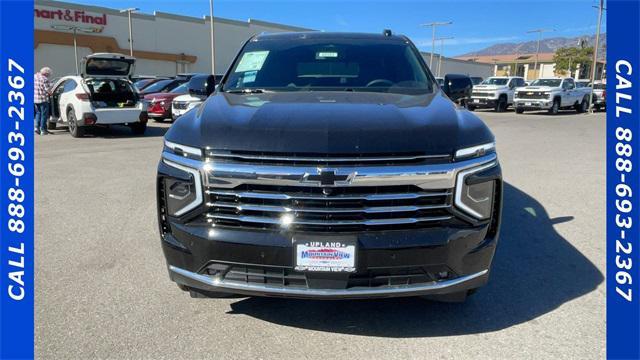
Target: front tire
x=519 y=110
x=555 y=107
x=75 y=130
x=471 y=107
x=582 y=107
x=501 y=106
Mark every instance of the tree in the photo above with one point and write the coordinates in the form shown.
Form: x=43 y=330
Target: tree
x=567 y=59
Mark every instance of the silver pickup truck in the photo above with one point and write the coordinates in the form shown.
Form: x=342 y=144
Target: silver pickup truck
x=552 y=94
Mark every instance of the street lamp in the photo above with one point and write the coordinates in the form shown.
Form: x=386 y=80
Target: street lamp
x=433 y=37
x=595 y=54
x=442 y=39
x=213 y=40
x=75 y=29
x=129 y=11
x=539 y=31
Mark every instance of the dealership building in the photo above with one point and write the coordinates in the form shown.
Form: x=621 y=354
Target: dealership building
x=163 y=43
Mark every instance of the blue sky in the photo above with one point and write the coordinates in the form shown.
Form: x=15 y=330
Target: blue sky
x=476 y=23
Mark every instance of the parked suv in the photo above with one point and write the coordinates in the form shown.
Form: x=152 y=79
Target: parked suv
x=101 y=95
x=329 y=166
x=495 y=92
x=552 y=94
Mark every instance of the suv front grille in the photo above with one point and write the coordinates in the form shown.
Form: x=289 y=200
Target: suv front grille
x=180 y=105
x=532 y=95
x=481 y=94
x=328 y=209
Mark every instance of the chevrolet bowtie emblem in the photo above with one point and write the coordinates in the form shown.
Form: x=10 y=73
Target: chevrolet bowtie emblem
x=328 y=177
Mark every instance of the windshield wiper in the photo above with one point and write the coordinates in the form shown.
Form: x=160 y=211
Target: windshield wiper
x=247 y=91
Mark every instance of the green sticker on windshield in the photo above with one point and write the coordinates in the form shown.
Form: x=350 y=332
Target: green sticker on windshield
x=252 y=61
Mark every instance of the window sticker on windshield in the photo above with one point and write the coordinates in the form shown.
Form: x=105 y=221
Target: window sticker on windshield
x=252 y=61
x=249 y=77
x=326 y=54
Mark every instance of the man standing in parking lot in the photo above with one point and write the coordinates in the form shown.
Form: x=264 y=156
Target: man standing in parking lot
x=41 y=91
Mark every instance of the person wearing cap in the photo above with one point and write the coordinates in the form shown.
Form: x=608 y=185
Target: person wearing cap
x=41 y=92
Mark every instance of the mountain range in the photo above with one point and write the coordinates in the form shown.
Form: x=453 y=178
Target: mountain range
x=547 y=45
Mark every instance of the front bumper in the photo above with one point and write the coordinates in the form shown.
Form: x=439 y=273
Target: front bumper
x=450 y=257
x=483 y=102
x=533 y=104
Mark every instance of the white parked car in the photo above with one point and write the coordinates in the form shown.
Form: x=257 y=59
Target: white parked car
x=496 y=92
x=599 y=95
x=199 y=87
x=101 y=95
x=552 y=94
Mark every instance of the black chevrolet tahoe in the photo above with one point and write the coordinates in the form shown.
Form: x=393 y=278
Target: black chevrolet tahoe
x=329 y=166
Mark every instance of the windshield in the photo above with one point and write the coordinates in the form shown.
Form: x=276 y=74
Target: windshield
x=476 y=80
x=547 y=82
x=157 y=86
x=334 y=64
x=495 y=81
x=182 y=89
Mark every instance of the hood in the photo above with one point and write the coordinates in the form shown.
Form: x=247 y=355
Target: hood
x=490 y=87
x=161 y=96
x=539 y=88
x=330 y=123
x=188 y=98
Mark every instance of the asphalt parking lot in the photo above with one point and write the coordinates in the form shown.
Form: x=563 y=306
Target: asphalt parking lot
x=102 y=289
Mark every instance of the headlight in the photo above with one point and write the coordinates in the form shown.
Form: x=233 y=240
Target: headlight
x=475 y=199
x=185 y=193
x=475 y=151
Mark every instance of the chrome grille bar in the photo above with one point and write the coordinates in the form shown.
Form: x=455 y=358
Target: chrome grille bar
x=366 y=210
x=366 y=197
x=322 y=159
x=371 y=222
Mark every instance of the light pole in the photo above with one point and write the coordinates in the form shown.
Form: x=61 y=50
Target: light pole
x=442 y=39
x=129 y=11
x=595 y=54
x=75 y=30
x=539 y=31
x=213 y=40
x=433 y=37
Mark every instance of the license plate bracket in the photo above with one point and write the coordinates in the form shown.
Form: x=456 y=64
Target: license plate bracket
x=329 y=254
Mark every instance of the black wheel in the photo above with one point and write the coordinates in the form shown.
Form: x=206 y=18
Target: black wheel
x=501 y=105
x=582 y=107
x=597 y=107
x=471 y=107
x=138 y=128
x=555 y=107
x=75 y=130
x=51 y=125
x=519 y=110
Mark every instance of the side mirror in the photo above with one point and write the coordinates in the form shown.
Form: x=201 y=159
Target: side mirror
x=203 y=89
x=456 y=88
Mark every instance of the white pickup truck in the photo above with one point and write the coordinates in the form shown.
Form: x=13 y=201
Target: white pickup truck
x=495 y=92
x=552 y=94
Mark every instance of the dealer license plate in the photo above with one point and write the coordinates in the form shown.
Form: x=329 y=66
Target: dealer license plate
x=527 y=104
x=325 y=255
x=476 y=100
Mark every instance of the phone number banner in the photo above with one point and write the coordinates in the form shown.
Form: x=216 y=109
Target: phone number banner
x=16 y=180
x=623 y=182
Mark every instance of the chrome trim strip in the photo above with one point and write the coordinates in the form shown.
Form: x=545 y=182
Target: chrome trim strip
x=323 y=159
x=426 y=176
x=216 y=282
x=294 y=221
x=187 y=149
x=366 y=210
x=459 y=184
x=368 y=197
x=198 y=185
x=475 y=150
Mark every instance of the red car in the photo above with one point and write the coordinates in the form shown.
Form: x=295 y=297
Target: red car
x=159 y=104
